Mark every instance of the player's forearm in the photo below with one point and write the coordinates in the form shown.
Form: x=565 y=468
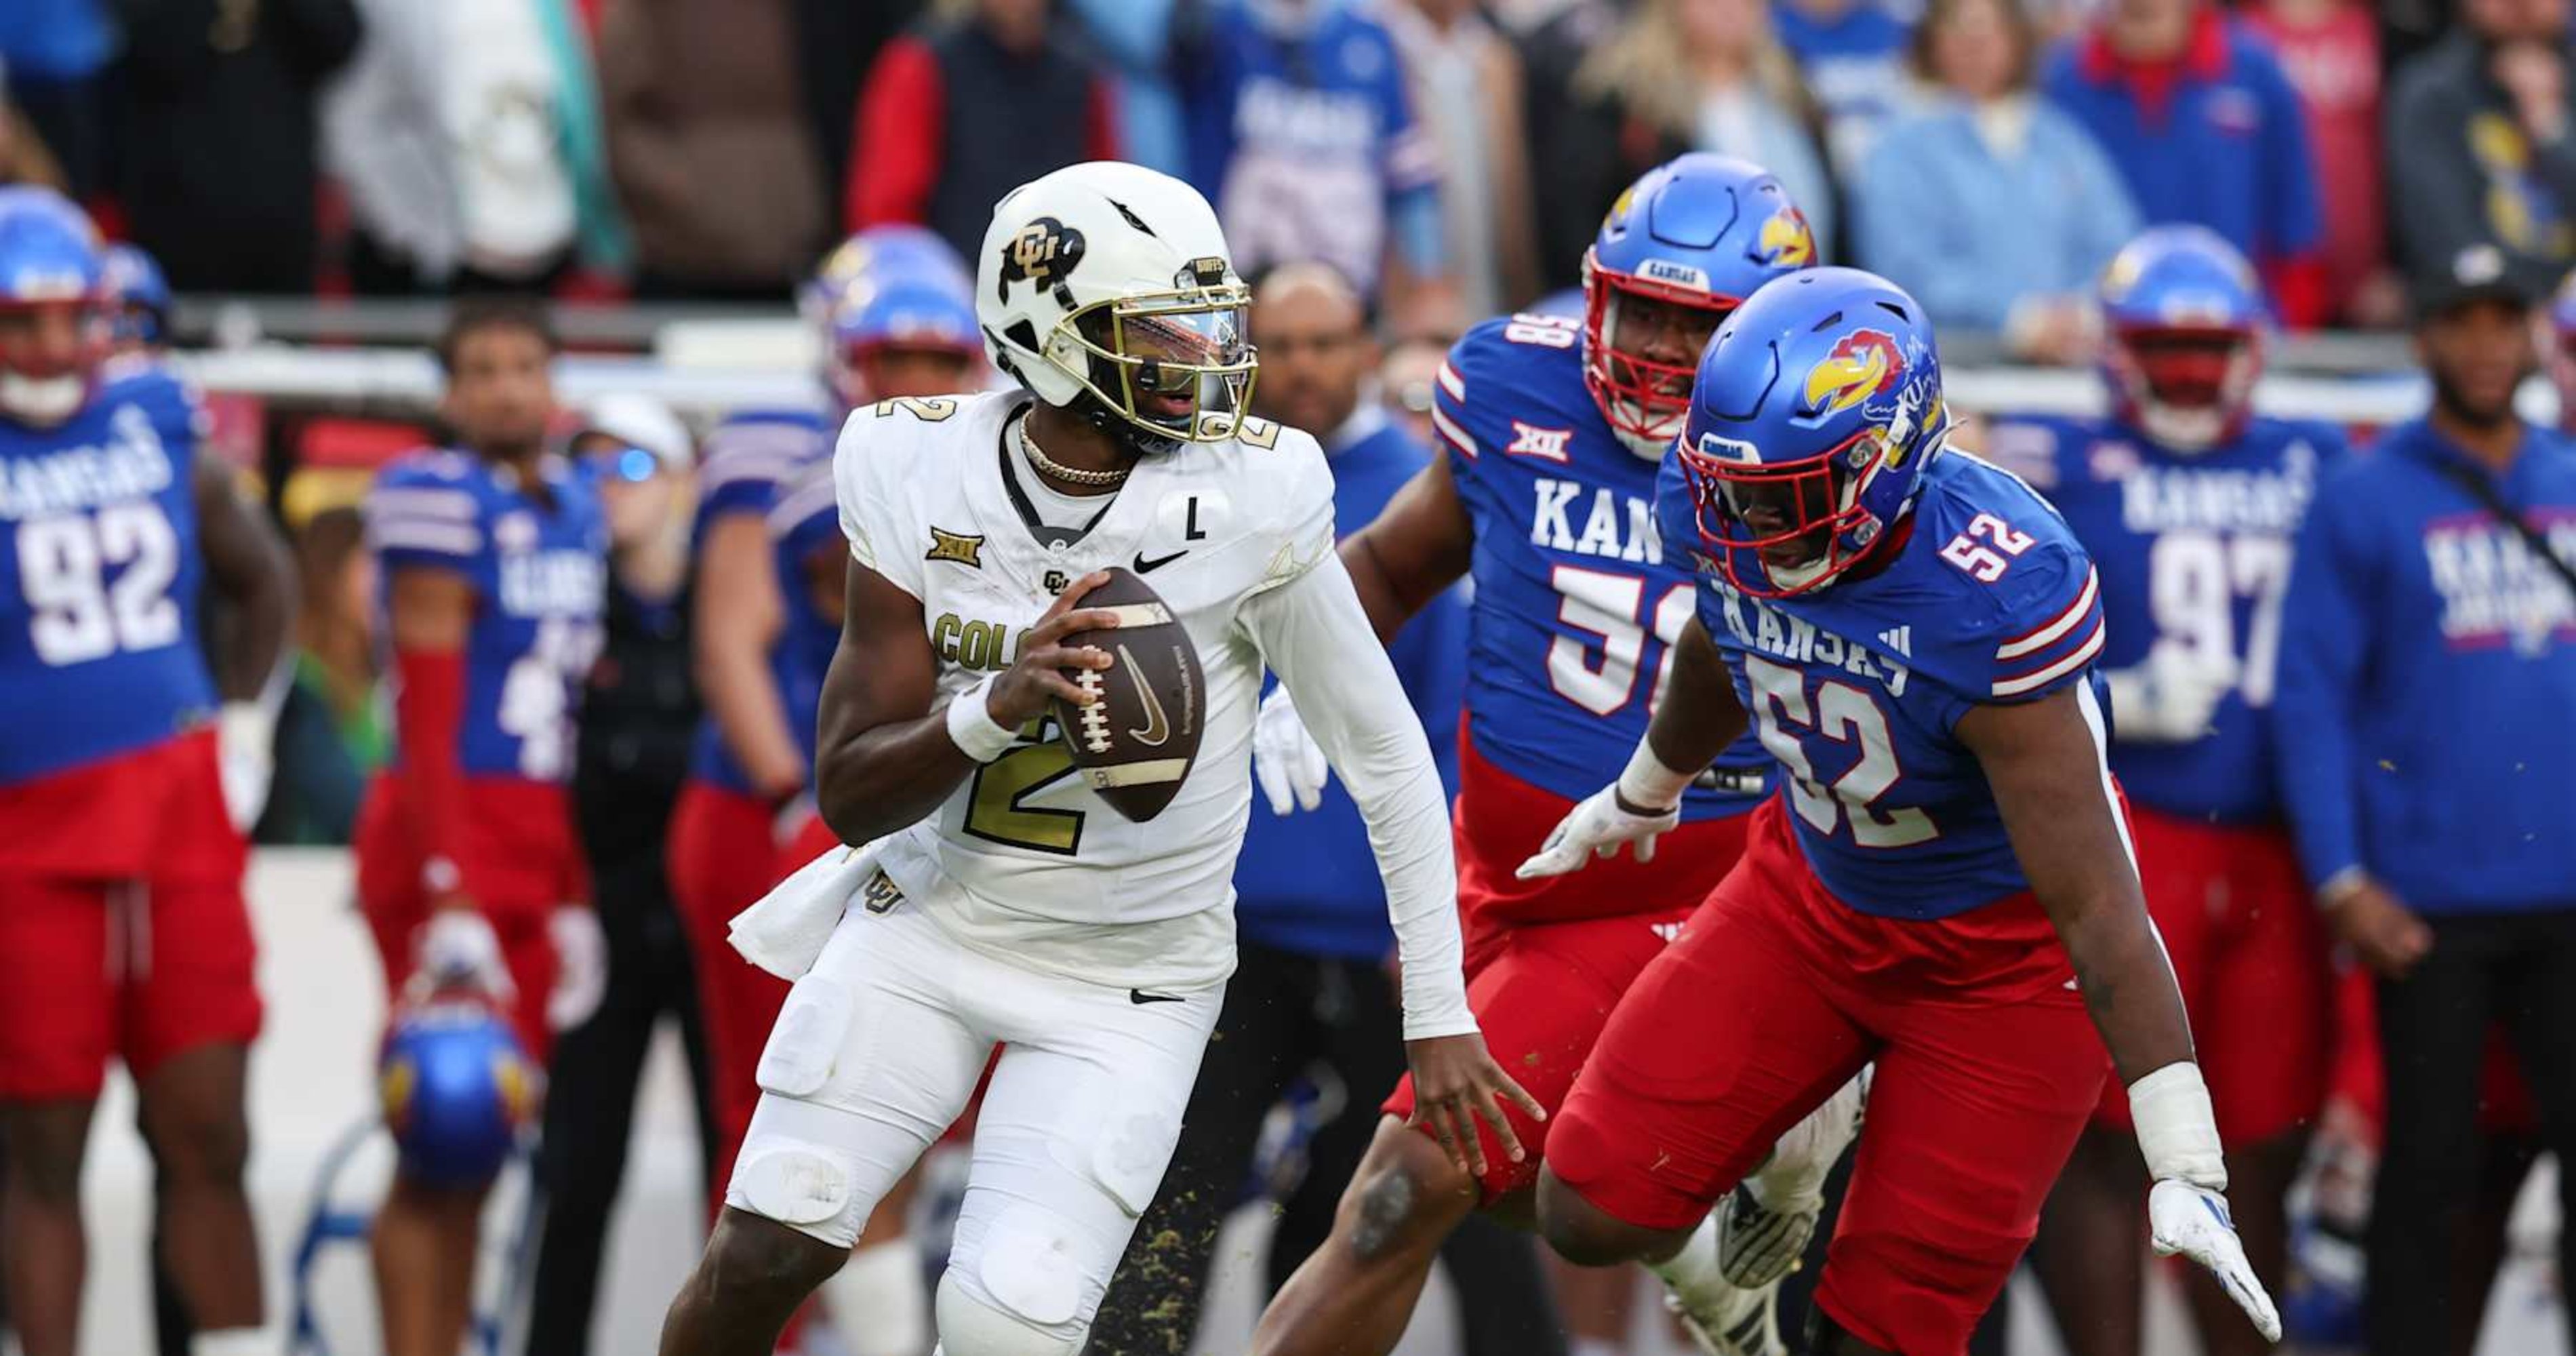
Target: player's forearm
x=873 y=782
x=1387 y=604
x=751 y=717
x=1699 y=715
x=2127 y=984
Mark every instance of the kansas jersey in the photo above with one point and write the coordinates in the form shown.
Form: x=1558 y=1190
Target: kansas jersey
x=1855 y=687
x=1023 y=860
x=1576 y=607
x=539 y=567
x=749 y=458
x=99 y=576
x=2194 y=552
x=805 y=521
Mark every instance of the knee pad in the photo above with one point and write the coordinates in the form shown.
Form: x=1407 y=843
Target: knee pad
x=1125 y=1155
x=972 y=1322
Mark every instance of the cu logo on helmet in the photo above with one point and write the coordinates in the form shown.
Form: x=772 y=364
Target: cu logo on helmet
x=1863 y=364
x=1043 y=253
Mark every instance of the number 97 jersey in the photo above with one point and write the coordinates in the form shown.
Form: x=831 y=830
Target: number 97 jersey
x=99 y=579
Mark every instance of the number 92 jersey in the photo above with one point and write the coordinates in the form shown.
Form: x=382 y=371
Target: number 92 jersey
x=1576 y=604
x=1023 y=861
x=99 y=578
x=539 y=567
x=1856 y=687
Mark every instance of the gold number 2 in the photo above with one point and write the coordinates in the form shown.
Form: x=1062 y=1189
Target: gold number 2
x=996 y=807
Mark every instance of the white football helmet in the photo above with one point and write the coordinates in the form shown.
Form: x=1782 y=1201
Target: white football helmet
x=1109 y=285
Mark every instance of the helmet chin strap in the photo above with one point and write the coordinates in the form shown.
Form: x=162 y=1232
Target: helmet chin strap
x=42 y=400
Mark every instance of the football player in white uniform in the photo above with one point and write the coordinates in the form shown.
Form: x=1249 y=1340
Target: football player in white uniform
x=1011 y=905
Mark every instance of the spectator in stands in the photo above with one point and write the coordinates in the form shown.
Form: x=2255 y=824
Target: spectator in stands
x=2330 y=51
x=980 y=98
x=56 y=53
x=1304 y=136
x=1465 y=79
x=710 y=147
x=221 y=136
x=836 y=43
x=1404 y=379
x=636 y=723
x=462 y=160
x=2560 y=360
x=1675 y=76
x=2197 y=116
x=1853 y=54
x=332 y=733
x=1992 y=206
x=24 y=158
x=2437 y=577
x=1561 y=132
x=1141 y=40
x=2479 y=148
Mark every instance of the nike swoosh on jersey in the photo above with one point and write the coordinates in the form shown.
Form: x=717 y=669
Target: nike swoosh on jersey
x=1140 y=997
x=1146 y=566
x=1158 y=727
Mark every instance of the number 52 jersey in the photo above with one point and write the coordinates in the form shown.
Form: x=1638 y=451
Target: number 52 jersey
x=1023 y=861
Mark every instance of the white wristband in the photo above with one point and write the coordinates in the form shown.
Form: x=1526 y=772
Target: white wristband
x=971 y=727
x=2177 y=1129
x=1649 y=785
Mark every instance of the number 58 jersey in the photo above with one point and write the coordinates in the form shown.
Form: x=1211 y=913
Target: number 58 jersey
x=99 y=576
x=1023 y=861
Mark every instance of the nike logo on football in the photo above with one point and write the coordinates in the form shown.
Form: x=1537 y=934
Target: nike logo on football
x=1157 y=727
x=1140 y=997
x=1145 y=566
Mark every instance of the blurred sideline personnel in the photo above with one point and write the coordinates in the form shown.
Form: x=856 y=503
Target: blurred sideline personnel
x=123 y=931
x=138 y=299
x=896 y=317
x=1551 y=433
x=1092 y=948
x=638 y=717
x=2439 y=575
x=1915 y=633
x=2188 y=503
x=1310 y=985
x=470 y=871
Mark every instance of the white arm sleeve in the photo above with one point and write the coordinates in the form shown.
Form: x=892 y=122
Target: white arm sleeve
x=1318 y=640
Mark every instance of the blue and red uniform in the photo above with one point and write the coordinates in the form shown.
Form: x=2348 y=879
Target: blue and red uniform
x=475 y=803
x=2194 y=551
x=724 y=848
x=805 y=523
x=1879 y=914
x=1574 y=612
x=122 y=926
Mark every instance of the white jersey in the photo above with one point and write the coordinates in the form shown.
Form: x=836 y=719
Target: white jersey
x=1024 y=860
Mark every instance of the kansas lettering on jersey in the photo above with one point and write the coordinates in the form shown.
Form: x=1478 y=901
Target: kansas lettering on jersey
x=748 y=460
x=1575 y=607
x=1856 y=687
x=1024 y=860
x=805 y=521
x=539 y=567
x=2195 y=554
x=99 y=576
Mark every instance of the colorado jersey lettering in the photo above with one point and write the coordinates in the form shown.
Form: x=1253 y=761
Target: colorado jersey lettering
x=2194 y=553
x=1575 y=607
x=1856 y=686
x=99 y=577
x=539 y=571
x=749 y=460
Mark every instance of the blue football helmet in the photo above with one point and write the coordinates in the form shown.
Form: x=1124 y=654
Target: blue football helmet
x=49 y=261
x=891 y=287
x=855 y=257
x=1701 y=232
x=2184 y=316
x=1815 y=411
x=138 y=295
x=458 y=1090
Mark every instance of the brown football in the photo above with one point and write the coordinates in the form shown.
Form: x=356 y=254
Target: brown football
x=1135 y=745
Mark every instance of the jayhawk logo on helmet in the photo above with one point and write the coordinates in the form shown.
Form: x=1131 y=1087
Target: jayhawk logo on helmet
x=1786 y=241
x=1864 y=364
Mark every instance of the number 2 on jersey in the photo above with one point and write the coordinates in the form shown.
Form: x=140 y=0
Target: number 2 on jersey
x=64 y=563
x=1846 y=715
x=997 y=808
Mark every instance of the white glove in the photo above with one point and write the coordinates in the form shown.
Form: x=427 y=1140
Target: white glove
x=2170 y=698
x=2193 y=1220
x=581 y=966
x=246 y=754
x=1597 y=828
x=1285 y=759
x=458 y=947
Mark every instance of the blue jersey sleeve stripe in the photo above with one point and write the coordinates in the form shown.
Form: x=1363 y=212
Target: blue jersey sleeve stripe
x=2048 y=632
x=1451 y=434
x=1451 y=382
x=403 y=501
x=432 y=538
x=812 y=501
x=2075 y=659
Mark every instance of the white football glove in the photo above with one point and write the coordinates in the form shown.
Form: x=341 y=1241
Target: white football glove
x=581 y=966
x=1598 y=827
x=2192 y=1220
x=458 y=947
x=1286 y=760
x=2170 y=698
x=246 y=755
